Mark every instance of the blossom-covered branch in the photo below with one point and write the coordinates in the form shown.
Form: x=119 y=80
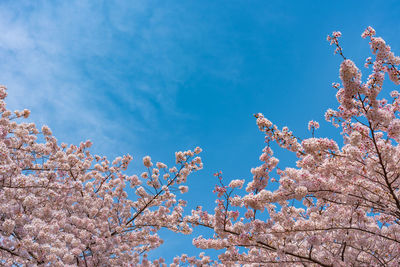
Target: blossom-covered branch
x=341 y=205
x=61 y=205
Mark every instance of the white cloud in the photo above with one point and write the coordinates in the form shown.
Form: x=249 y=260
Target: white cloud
x=57 y=60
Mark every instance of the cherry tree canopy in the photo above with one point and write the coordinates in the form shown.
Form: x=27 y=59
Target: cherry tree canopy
x=61 y=205
x=349 y=214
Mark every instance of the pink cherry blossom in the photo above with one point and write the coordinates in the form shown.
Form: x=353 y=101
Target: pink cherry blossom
x=61 y=205
x=349 y=191
x=339 y=205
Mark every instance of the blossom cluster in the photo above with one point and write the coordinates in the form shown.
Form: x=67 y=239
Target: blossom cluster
x=341 y=205
x=63 y=206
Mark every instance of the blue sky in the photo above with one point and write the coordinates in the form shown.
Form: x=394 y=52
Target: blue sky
x=154 y=77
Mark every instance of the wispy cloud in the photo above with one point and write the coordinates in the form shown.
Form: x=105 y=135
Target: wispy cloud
x=91 y=69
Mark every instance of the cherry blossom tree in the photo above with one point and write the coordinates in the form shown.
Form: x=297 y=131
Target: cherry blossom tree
x=341 y=205
x=60 y=205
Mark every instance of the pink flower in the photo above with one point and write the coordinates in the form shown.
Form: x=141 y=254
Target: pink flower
x=236 y=183
x=313 y=125
x=8 y=226
x=197 y=150
x=147 y=162
x=183 y=189
x=394 y=129
x=46 y=130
